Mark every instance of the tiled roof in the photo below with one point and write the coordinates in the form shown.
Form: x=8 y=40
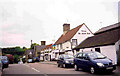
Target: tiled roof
x=39 y=47
x=106 y=38
x=48 y=46
x=108 y=28
x=68 y=35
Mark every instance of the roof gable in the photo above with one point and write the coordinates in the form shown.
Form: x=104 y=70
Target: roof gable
x=68 y=35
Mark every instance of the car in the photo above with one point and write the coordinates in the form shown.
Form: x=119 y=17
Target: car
x=36 y=59
x=5 y=62
x=30 y=61
x=94 y=62
x=65 y=60
x=1 y=68
x=10 y=58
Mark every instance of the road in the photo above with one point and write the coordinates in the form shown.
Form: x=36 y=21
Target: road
x=42 y=68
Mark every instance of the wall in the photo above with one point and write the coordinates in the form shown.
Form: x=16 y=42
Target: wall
x=117 y=46
x=80 y=37
x=110 y=52
x=66 y=45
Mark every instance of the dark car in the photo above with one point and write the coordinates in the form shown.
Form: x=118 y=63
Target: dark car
x=93 y=62
x=5 y=62
x=36 y=59
x=65 y=60
x=30 y=61
x=10 y=58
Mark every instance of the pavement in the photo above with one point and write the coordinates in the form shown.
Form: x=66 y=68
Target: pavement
x=49 y=62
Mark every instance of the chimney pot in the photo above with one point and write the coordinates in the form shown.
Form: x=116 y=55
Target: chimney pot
x=43 y=42
x=66 y=28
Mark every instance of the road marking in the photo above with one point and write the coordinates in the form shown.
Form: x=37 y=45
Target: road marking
x=35 y=69
x=31 y=67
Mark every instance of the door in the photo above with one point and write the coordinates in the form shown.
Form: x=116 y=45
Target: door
x=78 y=60
x=85 y=62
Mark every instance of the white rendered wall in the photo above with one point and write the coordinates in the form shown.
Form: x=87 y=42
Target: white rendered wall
x=66 y=45
x=110 y=52
x=80 y=37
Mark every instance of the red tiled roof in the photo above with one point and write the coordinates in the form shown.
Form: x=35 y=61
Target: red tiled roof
x=68 y=35
x=48 y=46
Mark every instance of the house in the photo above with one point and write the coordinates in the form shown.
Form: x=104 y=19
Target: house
x=106 y=41
x=46 y=52
x=71 y=38
x=38 y=50
x=29 y=53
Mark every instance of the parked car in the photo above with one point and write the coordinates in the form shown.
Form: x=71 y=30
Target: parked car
x=30 y=61
x=65 y=60
x=10 y=58
x=1 y=68
x=93 y=62
x=36 y=59
x=5 y=62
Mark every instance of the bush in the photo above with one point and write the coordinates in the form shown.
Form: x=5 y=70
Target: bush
x=16 y=58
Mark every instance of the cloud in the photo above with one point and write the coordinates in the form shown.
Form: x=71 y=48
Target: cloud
x=13 y=39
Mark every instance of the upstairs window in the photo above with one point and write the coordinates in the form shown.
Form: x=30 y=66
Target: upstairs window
x=60 y=46
x=74 y=42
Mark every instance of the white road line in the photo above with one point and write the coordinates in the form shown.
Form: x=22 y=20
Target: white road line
x=31 y=67
x=35 y=69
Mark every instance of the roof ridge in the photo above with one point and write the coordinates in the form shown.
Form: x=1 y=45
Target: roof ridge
x=109 y=27
x=69 y=34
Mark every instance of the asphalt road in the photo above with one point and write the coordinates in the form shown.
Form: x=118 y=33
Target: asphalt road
x=41 y=68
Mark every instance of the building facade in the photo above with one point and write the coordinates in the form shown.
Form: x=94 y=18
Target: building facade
x=71 y=38
x=106 y=41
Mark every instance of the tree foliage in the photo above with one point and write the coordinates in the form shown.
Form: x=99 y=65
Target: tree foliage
x=34 y=44
x=14 y=50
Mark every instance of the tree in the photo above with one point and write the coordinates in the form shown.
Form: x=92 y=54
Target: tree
x=34 y=44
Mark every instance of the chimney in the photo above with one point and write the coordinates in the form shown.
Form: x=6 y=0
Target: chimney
x=43 y=42
x=66 y=28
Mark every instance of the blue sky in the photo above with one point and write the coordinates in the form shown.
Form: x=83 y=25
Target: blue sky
x=37 y=20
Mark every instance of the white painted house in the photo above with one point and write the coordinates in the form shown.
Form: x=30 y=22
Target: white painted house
x=71 y=38
x=106 y=41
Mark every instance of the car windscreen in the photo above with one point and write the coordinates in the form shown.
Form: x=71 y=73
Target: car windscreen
x=68 y=56
x=96 y=55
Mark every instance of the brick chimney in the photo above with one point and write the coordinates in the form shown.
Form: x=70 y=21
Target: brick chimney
x=43 y=42
x=66 y=27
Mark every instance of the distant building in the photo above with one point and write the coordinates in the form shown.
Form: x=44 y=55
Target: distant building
x=38 y=50
x=106 y=41
x=29 y=53
x=71 y=38
x=46 y=52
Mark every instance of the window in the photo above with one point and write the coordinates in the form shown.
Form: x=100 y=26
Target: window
x=79 y=55
x=85 y=56
x=74 y=42
x=60 y=46
x=97 y=49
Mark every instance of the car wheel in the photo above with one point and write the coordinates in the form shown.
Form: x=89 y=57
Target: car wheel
x=76 y=67
x=58 y=65
x=92 y=70
x=63 y=65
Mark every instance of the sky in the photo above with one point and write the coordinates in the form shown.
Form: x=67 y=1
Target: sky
x=42 y=20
